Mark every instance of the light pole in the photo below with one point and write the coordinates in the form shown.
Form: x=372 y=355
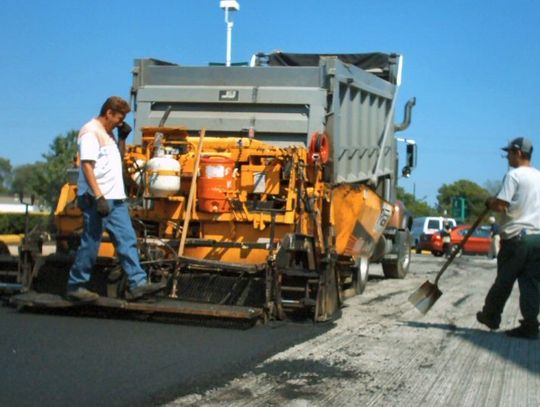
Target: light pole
x=229 y=5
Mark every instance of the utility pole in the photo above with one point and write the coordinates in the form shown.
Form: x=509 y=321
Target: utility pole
x=229 y=6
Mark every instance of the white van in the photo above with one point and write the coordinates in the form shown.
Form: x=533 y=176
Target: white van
x=428 y=225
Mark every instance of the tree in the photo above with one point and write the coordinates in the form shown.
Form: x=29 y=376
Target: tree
x=30 y=179
x=61 y=155
x=417 y=208
x=474 y=196
x=5 y=175
x=45 y=179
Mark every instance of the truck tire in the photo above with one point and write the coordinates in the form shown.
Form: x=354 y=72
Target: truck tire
x=397 y=266
x=360 y=274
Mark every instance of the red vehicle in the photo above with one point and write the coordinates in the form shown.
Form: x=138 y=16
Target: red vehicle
x=478 y=243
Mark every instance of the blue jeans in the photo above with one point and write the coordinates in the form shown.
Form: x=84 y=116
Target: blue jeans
x=118 y=224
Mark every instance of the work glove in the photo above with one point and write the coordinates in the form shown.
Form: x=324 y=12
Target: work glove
x=123 y=131
x=102 y=207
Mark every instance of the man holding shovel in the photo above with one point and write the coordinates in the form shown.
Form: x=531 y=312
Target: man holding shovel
x=519 y=255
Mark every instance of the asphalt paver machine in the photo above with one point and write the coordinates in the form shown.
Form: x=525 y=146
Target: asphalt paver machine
x=257 y=192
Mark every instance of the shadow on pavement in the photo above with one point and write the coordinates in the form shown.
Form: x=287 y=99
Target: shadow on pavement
x=522 y=352
x=296 y=375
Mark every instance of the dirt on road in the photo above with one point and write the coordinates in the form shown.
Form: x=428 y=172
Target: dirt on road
x=383 y=352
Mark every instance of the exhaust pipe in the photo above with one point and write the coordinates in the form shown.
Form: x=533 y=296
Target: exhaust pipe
x=407 y=116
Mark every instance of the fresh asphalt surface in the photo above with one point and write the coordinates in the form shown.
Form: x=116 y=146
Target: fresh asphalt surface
x=59 y=360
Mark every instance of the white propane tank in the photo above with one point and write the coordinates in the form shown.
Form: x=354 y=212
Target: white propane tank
x=163 y=175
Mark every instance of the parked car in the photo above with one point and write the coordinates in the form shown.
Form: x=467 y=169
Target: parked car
x=478 y=243
x=426 y=242
x=424 y=227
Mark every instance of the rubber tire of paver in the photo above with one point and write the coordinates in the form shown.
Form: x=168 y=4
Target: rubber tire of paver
x=360 y=274
x=398 y=267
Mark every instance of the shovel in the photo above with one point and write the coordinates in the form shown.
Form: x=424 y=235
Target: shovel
x=426 y=295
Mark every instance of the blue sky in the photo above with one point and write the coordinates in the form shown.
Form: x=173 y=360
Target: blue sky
x=472 y=65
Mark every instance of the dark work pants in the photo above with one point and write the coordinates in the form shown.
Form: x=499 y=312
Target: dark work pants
x=518 y=259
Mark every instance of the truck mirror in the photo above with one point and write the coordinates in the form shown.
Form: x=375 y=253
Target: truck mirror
x=411 y=156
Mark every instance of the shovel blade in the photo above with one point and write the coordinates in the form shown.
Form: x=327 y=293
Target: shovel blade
x=424 y=298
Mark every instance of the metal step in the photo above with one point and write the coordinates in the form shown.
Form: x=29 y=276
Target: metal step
x=297 y=303
x=10 y=287
x=299 y=273
x=9 y=273
x=293 y=289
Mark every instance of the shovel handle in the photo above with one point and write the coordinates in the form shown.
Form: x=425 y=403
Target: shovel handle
x=460 y=246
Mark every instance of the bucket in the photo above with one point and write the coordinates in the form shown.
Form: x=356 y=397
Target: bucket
x=215 y=181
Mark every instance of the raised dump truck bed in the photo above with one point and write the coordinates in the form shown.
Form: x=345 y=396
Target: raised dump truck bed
x=283 y=103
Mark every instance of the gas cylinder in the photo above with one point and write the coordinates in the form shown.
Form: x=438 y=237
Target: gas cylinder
x=163 y=175
x=215 y=181
x=136 y=171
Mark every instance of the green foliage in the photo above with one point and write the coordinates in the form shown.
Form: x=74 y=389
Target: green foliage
x=417 y=208
x=62 y=153
x=13 y=223
x=30 y=179
x=5 y=174
x=45 y=179
x=474 y=195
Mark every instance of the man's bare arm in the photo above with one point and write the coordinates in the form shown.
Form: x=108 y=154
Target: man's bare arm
x=88 y=171
x=496 y=204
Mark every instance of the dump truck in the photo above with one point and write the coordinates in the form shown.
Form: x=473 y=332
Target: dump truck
x=257 y=192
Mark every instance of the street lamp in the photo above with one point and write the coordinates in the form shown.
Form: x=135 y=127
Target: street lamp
x=229 y=5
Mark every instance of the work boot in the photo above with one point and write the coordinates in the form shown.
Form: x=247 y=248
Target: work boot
x=81 y=294
x=144 y=289
x=487 y=320
x=526 y=330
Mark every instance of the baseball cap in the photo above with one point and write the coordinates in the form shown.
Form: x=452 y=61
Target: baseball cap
x=521 y=143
